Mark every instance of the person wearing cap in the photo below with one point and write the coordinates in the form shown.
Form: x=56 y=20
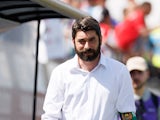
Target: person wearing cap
x=147 y=103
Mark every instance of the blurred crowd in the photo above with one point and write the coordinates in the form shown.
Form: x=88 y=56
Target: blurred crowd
x=120 y=39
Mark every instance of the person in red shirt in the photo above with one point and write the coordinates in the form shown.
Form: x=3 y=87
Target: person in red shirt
x=133 y=26
x=107 y=25
x=128 y=31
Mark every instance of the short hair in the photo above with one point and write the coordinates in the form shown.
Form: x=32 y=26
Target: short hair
x=147 y=7
x=146 y=4
x=85 y=24
x=105 y=12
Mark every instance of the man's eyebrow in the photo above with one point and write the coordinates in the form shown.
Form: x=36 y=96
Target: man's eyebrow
x=86 y=39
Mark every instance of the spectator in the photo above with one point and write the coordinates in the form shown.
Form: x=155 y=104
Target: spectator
x=107 y=25
x=131 y=7
x=147 y=103
x=94 y=8
x=132 y=30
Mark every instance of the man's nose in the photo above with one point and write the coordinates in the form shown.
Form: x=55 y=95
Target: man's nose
x=87 y=45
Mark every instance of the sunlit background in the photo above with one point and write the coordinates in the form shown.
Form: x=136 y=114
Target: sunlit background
x=17 y=58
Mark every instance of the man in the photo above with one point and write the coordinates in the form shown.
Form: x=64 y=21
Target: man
x=89 y=86
x=147 y=103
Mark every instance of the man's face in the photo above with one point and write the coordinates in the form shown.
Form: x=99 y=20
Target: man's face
x=139 y=78
x=87 y=45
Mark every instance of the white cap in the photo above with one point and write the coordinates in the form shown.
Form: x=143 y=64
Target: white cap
x=136 y=63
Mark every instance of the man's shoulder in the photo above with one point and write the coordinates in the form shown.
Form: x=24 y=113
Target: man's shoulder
x=114 y=64
x=67 y=64
x=112 y=61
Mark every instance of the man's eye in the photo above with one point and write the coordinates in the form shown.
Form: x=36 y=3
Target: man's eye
x=82 y=42
x=92 y=40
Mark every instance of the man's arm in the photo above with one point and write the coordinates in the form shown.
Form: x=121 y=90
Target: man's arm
x=54 y=97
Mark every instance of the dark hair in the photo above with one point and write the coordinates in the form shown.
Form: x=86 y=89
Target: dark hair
x=147 y=7
x=86 y=24
x=148 y=4
x=105 y=14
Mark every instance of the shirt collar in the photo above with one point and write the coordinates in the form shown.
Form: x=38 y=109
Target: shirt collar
x=103 y=60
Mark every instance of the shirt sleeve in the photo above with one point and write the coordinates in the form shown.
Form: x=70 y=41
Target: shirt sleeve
x=125 y=101
x=54 y=98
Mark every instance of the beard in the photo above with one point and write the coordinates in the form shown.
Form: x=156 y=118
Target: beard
x=138 y=85
x=88 y=54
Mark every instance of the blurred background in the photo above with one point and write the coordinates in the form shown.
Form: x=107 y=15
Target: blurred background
x=18 y=48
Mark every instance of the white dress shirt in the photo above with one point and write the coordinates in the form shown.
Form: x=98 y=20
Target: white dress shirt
x=76 y=94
